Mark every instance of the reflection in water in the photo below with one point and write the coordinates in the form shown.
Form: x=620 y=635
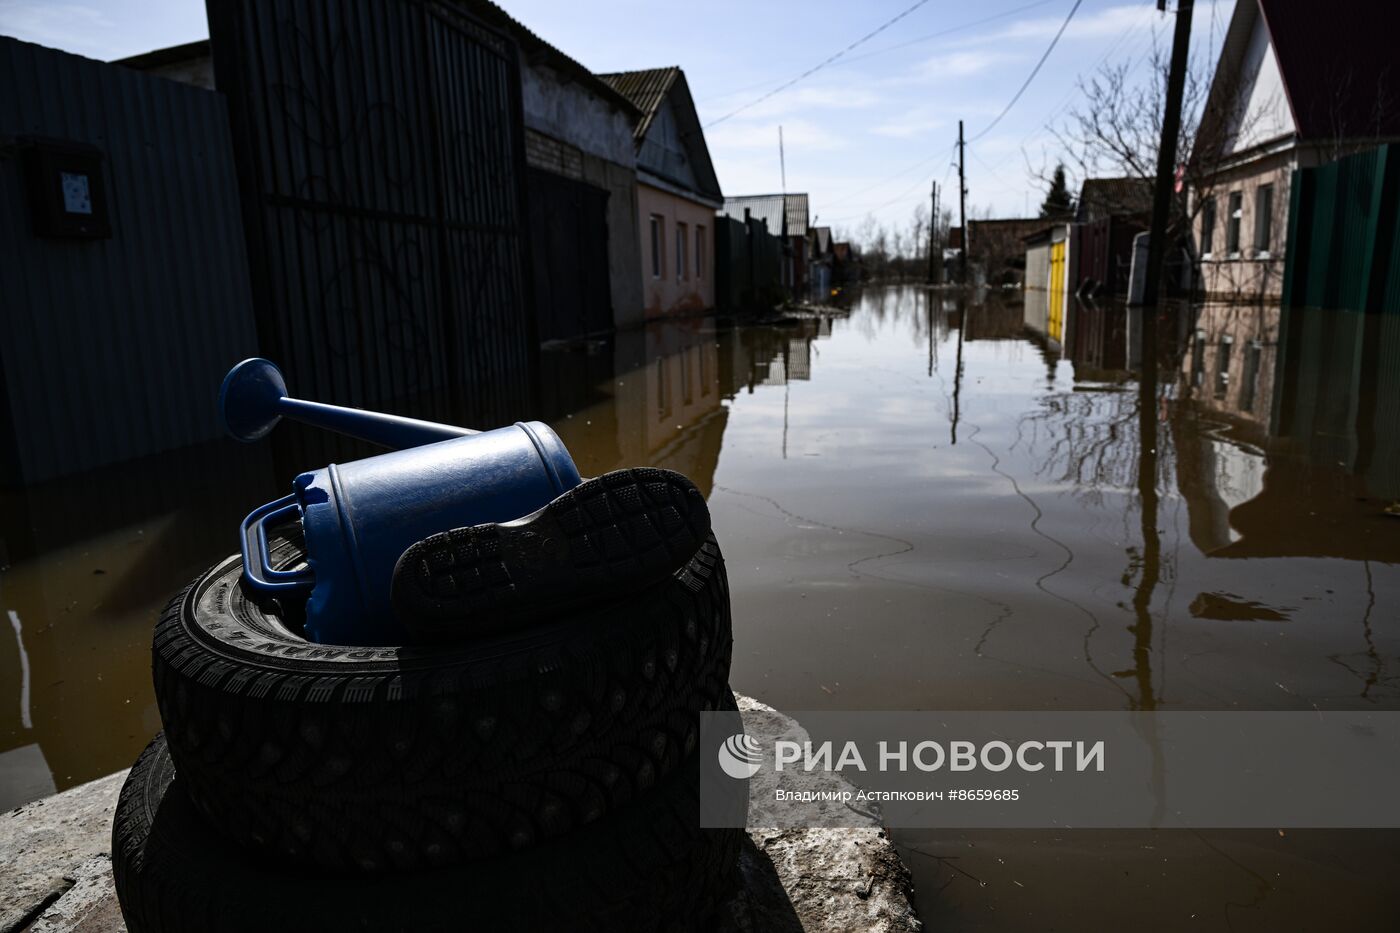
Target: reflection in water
x=925 y=503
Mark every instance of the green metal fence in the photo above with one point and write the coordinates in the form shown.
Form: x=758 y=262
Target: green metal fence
x=1344 y=234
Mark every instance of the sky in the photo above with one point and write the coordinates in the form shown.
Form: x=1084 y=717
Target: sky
x=866 y=134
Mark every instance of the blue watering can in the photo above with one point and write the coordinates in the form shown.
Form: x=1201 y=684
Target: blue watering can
x=359 y=517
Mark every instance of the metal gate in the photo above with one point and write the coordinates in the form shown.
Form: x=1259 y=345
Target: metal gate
x=380 y=154
x=569 y=240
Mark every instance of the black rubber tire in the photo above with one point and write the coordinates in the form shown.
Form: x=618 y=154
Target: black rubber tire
x=649 y=869
x=400 y=759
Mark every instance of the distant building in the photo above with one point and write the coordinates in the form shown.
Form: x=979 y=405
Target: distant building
x=189 y=64
x=996 y=248
x=1110 y=213
x=677 y=192
x=846 y=265
x=822 y=259
x=1102 y=198
x=1293 y=89
x=787 y=218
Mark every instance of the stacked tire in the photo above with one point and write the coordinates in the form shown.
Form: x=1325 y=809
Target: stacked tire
x=541 y=779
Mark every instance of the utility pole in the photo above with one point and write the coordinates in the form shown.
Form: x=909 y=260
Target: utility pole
x=1166 y=165
x=962 y=205
x=932 y=226
x=1157 y=236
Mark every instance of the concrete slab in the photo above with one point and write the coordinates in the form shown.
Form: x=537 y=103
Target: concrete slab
x=56 y=866
x=821 y=879
x=46 y=847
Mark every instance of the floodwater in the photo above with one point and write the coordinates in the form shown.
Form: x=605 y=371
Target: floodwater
x=925 y=502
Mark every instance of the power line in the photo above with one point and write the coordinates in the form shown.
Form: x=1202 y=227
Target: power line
x=1065 y=102
x=922 y=181
x=1035 y=71
x=881 y=183
x=898 y=45
x=820 y=65
x=1007 y=109
x=945 y=32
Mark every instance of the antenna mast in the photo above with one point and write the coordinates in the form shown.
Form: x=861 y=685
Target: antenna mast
x=782 y=160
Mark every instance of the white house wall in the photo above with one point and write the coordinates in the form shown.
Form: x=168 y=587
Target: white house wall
x=1262 y=112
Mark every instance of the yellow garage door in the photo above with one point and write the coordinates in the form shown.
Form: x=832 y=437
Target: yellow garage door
x=1056 y=327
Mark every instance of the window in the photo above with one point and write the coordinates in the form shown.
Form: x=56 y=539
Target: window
x=1232 y=224
x=1222 y=367
x=1207 y=228
x=663 y=387
x=1263 y=218
x=699 y=252
x=1249 y=384
x=682 y=251
x=656 y=241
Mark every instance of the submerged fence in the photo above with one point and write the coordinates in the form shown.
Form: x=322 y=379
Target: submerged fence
x=1344 y=234
x=748 y=266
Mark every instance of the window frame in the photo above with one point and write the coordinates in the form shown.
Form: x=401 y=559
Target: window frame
x=1263 y=218
x=1234 y=224
x=1223 y=352
x=682 y=249
x=1208 y=228
x=658 y=246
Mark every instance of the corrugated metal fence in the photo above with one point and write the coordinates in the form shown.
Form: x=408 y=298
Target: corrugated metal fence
x=1344 y=234
x=113 y=348
x=748 y=265
x=381 y=159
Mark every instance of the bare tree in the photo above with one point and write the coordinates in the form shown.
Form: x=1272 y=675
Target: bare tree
x=918 y=232
x=1116 y=128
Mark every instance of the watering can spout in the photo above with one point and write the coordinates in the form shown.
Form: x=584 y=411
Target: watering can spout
x=254 y=398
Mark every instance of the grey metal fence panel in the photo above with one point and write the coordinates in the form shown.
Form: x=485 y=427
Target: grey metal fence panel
x=112 y=349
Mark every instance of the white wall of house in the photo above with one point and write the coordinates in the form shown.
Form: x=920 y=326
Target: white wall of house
x=1261 y=112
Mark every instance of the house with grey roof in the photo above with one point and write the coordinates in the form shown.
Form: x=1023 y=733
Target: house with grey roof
x=1110 y=213
x=677 y=192
x=787 y=218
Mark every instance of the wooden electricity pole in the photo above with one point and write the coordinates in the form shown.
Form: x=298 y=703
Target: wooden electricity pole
x=1157 y=236
x=962 y=205
x=1166 y=155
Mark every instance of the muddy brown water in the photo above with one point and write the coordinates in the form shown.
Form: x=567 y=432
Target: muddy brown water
x=925 y=503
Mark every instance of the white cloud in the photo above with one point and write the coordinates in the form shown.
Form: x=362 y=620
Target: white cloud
x=918 y=121
x=961 y=64
x=797 y=101
x=798 y=134
x=1107 y=23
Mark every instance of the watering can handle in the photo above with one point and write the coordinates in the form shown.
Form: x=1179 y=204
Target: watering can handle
x=253 y=398
x=257 y=566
